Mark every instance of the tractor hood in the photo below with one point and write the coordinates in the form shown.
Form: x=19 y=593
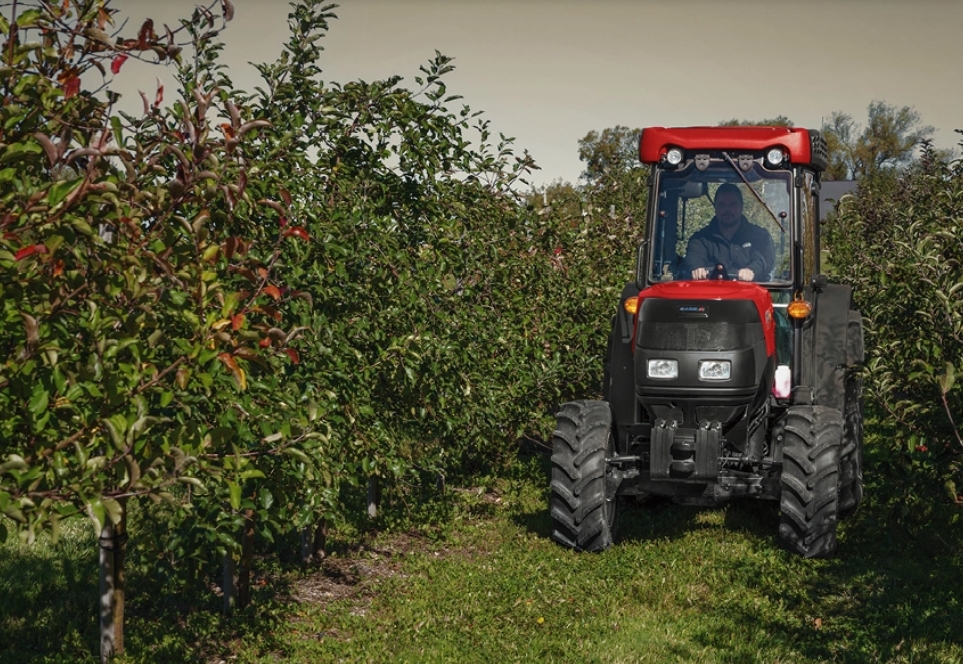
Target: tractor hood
x=697 y=298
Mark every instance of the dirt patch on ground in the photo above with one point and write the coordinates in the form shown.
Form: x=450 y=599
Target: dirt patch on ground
x=358 y=573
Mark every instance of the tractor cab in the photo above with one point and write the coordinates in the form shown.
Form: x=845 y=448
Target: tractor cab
x=772 y=174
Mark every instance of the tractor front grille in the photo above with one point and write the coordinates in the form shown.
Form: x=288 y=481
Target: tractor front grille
x=697 y=336
x=709 y=325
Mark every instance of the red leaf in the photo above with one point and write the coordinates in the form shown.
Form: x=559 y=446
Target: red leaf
x=237 y=321
x=246 y=273
x=273 y=291
x=145 y=35
x=283 y=221
x=228 y=360
x=159 y=95
x=228 y=130
x=265 y=342
x=293 y=354
x=58 y=268
x=297 y=231
x=118 y=62
x=240 y=378
x=34 y=249
x=71 y=86
x=228 y=9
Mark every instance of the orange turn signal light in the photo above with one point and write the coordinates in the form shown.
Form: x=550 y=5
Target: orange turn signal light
x=631 y=305
x=799 y=309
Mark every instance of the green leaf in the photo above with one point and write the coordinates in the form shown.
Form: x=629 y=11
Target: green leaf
x=266 y=498
x=60 y=381
x=117 y=427
x=948 y=379
x=17 y=150
x=60 y=190
x=95 y=510
x=950 y=487
x=118 y=130
x=235 y=490
x=114 y=509
x=38 y=400
x=297 y=454
x=29 y=18
x=13 y=462
x=53 y=242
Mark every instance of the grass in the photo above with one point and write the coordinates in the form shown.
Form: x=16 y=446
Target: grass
x=681 y=585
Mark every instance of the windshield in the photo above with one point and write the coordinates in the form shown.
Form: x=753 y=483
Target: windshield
x=722 y=223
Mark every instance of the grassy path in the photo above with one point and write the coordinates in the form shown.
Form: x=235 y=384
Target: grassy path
x=682 y=585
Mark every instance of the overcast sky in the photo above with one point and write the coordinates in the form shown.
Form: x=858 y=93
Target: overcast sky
x=549 y=71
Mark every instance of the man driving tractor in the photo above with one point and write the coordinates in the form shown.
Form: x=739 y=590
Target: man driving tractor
x=730 y=244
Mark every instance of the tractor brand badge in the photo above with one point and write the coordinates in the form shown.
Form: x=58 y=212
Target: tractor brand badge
x=698 y=310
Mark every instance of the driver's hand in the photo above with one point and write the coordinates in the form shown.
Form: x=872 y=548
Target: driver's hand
x=700 y=273
x=745 y=274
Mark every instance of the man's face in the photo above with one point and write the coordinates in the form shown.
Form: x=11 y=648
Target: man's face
x=728 y=209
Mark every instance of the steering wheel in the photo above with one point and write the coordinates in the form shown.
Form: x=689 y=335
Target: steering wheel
x=719 y=273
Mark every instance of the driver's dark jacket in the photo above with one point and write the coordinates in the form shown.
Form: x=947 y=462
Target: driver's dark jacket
x=750 y=247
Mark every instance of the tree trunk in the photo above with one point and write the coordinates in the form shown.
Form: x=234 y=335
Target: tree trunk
x=113 y=552
x=321 y=540
x=247 y=560
x=373 y=496
x=229 y=582
x=314 y=542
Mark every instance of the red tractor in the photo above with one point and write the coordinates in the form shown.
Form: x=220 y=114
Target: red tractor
x=732 y=363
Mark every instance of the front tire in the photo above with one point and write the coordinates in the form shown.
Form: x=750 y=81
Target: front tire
x=810 y=480
x=583 y=514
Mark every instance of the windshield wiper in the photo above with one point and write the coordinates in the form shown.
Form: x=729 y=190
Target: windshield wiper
x=754 y=192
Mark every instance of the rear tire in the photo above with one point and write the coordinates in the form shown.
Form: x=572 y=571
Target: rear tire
x=583 y=515
x=851 y=456
x=810 y=480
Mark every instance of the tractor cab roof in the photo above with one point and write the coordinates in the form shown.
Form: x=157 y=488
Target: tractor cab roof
x=803 y=146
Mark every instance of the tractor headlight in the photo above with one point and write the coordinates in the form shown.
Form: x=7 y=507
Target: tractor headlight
x=663 y=369
x=715 y=370
x=674 y=156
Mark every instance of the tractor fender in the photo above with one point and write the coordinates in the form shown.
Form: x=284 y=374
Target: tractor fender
x=825 y=344
x=618 y=386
